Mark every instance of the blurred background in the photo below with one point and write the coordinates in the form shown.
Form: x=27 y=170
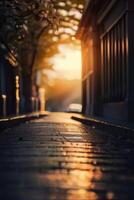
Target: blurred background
x=57 y=66
x=40 y=59
x=61 y=85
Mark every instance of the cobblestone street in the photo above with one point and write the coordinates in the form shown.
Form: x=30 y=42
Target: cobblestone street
x=56 y=157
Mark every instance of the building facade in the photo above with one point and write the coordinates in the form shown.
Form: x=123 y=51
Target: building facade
x=7 y=88
x=106 y=32
x=16 y=95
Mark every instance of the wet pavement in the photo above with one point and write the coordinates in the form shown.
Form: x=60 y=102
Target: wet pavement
x=58 y=158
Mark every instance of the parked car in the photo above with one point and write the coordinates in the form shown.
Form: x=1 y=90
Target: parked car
x=74 y=107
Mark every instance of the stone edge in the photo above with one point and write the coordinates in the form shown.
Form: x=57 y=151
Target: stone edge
x=15 y=120
x=103 y=125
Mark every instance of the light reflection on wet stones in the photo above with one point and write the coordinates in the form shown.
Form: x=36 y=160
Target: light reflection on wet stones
x=58 y=158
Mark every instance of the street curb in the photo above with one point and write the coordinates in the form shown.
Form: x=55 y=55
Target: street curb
x=106 y=126
x=13 y=121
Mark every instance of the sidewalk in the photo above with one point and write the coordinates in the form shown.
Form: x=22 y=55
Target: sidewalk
x=101 y=123
x=58 y=158
x=10 y=121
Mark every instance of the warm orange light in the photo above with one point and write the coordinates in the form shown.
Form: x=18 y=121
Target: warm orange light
x=67 y=63
x=17 y=79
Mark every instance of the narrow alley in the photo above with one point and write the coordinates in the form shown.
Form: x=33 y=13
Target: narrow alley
x=55 y=157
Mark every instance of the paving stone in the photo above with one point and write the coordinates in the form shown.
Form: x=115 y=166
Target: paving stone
x=58 y=158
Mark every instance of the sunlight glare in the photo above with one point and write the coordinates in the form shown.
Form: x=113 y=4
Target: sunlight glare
x=67 y=63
